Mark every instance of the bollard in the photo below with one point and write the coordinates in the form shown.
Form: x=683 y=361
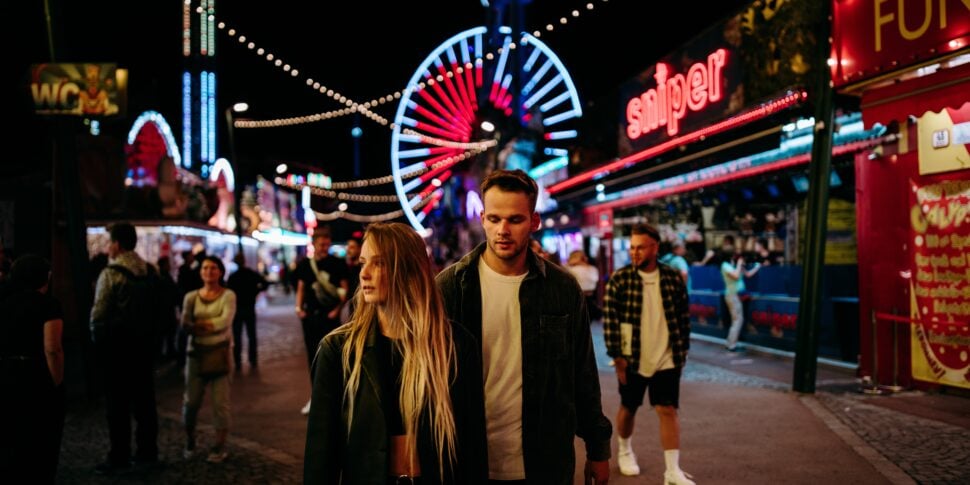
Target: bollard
x=870 y=384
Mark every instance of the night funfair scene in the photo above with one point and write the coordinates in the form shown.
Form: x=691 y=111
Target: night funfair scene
x=464 y=242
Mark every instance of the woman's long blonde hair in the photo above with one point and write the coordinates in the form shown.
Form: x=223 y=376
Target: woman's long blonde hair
x=414 y=314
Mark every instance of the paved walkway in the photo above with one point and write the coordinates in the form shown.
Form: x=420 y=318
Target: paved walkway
x=740 y=424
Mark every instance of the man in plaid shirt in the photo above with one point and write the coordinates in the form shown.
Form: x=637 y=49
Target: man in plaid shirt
x=647 y=331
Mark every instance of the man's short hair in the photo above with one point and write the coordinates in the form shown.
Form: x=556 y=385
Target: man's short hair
x=124 y=234
x=645 y=230
x=512 y=181
x=322 y=231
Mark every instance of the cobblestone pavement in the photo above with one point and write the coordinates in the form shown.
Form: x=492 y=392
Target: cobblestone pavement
x=904 y=448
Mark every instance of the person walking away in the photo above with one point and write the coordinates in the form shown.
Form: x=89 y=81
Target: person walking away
x=207 y=315
x=321 y=289
x=32 y=373
x=733 y=272
x=396 y=391
x=247 y=284
x=529 y=318
x=588 y=277
x=353 y=277
x=647 y=332
x=169 y=302
x=123 y=331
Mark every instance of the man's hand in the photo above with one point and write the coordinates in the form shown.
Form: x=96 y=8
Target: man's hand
x=597 y=472
x=620 y=364
x=300 y=313
x=333 y=314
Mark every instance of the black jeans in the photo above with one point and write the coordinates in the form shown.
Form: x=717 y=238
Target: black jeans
x=247 y=320
x=129 y=391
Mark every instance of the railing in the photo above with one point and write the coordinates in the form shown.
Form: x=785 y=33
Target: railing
x=870 y=383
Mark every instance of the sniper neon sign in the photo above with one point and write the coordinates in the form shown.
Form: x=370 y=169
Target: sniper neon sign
x=668 y=102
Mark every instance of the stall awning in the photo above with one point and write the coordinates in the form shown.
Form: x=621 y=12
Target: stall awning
x=947 y=88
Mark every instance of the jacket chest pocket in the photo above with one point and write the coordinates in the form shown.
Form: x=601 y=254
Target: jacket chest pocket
x=554 y=336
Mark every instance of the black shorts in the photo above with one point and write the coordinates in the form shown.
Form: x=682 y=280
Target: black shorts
x=664 y=388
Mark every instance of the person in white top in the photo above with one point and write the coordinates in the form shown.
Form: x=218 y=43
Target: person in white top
x=646 y=327
x=588 y=277
x=540 y=379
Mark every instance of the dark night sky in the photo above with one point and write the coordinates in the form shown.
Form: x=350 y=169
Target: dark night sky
x=361 y=48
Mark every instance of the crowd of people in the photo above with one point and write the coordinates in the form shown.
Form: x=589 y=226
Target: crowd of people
x=417 y=375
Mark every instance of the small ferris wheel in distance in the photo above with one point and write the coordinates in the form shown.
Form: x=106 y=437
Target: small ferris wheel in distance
x=460 y=102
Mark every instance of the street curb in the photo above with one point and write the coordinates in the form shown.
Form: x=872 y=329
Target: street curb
x=886 y=468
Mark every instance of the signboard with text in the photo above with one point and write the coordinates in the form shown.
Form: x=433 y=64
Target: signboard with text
x=940 y=282
x=874 y=37
x=80 y=89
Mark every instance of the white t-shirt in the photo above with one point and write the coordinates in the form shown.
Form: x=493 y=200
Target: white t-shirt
x=655 y=353
x=587 y=275
x=502 y=366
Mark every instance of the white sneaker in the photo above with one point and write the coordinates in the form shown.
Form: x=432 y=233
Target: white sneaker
x=306 y=409
x=628 y=464
x=677 y=477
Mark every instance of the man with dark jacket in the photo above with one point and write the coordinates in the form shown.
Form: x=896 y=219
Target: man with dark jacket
x=647 y=331
x=247 y=284
x=540 y=379
x=123 y=331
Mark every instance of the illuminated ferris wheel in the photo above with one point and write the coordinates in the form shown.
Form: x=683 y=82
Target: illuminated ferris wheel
x=458 y=93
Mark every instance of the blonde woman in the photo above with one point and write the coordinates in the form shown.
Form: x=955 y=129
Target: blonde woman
x=397 y=395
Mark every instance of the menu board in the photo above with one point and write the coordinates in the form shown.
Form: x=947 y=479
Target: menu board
x=940 y=282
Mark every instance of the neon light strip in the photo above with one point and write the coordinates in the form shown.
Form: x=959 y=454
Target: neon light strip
x=503 y=58
x=533 y=57
x=746 y=117
x=559 y=152
x=444 y=113
x=461 y=108
x=537 y=76
x=465 y=97
x=212 y=116
x=417 y=152
x=441 y=122
x=412 y=168
x=542 y=91
x=453 y=110
x=550 y=166
x=203 y=120
x=222 y=166
x=211 y=25
x=478 y=60
x=560 y=117
x=187 y=119
x=695 y=180
x=186 y=28
x=171 y=148
x=552 y=103
x=203 y=29
x=282 y=237
x=561 y=135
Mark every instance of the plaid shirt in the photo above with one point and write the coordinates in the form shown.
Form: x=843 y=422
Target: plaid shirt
x=623 y=304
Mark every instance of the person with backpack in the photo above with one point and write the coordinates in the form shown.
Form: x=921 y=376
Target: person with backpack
x=123 y=331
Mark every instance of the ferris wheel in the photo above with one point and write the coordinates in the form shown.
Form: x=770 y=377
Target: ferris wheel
x=455 y=91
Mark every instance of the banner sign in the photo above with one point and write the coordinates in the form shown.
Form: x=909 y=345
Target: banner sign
x=874 y=37
x=87 y=89
x=940 y=282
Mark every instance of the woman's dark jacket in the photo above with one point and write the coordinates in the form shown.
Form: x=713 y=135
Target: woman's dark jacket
x=560 y=382
x=360 y=457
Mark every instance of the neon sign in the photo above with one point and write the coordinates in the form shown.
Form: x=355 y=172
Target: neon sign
x=668 y=103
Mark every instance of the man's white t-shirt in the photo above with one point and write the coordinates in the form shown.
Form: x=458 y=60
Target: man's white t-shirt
x=502 y=366
x=655 y=353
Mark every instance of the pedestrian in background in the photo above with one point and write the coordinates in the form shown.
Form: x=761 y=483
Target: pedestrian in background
x=169 y=302
x=123 y=330
x=647 y=332
x=675 y=259
x=321 y=289
x=31 y=374
x=353 y=276
x=396 y=391
x=207 y=315
x=588 y=277
x=247 y=284
x=734 y=273
x=188 y=279
x=529 y=318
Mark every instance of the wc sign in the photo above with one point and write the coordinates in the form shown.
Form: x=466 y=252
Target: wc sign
x=80 y=89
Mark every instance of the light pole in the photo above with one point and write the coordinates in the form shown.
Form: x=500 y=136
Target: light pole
x=236 y=193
